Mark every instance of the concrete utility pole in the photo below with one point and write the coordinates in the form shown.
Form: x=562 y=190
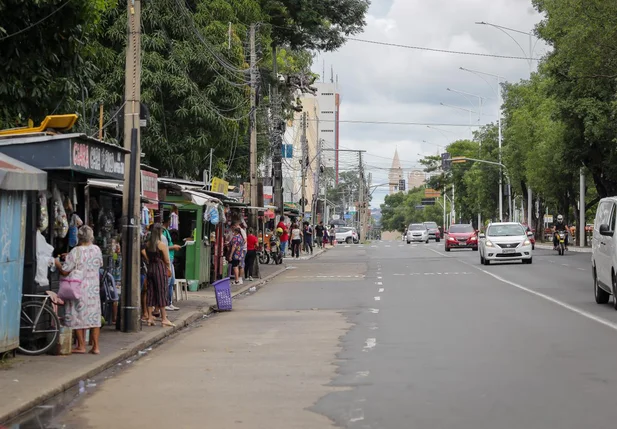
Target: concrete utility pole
x=277 y=139
x=131 y=198
x=303 y=162
x=361 y=196
x=253 y=128
x=453 y=218
x=581 y=208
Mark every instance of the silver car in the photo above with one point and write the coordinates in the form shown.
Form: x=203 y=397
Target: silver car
x=505 y=241
x=417 y=232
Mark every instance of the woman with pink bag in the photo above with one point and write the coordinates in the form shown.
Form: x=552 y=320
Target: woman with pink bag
x=82 y=267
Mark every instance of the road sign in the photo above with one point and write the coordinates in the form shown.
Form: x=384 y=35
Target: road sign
x=445 y=161
x=420 y=207
x=347 y=216
x=431 y=193
x=428 y=201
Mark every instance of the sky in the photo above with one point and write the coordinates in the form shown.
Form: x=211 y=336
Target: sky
x=383 y=83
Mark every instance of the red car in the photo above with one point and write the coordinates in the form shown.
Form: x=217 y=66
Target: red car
x=461 y=236
x=532 y=238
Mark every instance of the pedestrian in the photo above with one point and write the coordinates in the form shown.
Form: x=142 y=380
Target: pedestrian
x=319 y=234
x=251 y=254
x=244 y=250
x=85 y=312
x=172 y=248
x=296 y=240
x=332 y=235
x=308 y=238
x=156 y=254
x=284 y=236
x=236 y=253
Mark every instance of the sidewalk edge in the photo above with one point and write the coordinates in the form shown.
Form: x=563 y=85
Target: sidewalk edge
x=570 y=249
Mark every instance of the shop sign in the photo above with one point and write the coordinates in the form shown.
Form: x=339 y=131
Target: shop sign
x=98 y=160
x=150 y=186
x=219 y=185
x=268 y=192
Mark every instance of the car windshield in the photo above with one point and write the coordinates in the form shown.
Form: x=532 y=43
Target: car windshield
x=460 y=229
x=505 y=230
x=418 y=227
x=430 y=224
x=343 y=230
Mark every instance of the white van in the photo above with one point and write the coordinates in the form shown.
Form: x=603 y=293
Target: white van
x=604 y=251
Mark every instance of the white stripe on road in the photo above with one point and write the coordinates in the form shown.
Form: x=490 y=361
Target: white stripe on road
x=377 y=298
x=374 y=310
x=573 y=309
x=370 y=343
x=379 y=278
x=381 y=290
x=379 y=283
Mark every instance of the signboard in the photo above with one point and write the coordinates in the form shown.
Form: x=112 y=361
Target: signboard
x=97 y=159
x=351 y=209
x=548 y=218
x=431 y=193
x=347 y=216
x=150 y=187
x=268 y=192
x=446 y=161
x=336 y=217
x=219 y=185
x=288 y=151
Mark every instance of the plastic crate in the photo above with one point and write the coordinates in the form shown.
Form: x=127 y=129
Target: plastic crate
x=222 y=291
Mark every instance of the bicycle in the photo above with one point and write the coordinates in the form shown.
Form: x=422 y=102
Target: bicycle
x=39 y=327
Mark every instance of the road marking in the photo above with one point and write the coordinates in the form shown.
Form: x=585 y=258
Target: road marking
x=381 y=290
x=362 y=373
x=379 y=278
x=581 y=269
x=387 y=245
x=356 y=415
x=377 y=298
x=573 y=309
x=439 y=253
x=374 y=310
x=379 y=283
x=370 y=343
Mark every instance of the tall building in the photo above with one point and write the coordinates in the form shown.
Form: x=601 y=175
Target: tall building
x=396 y=174
x=415 y=179
x=329 y=101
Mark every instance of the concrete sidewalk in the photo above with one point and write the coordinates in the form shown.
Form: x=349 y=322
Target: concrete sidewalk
x=28 y=381
x=570 y=248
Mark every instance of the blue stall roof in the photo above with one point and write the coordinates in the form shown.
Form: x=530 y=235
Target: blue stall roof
x=18 y=176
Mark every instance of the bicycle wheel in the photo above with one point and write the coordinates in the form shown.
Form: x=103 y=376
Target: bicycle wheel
x=39 y=328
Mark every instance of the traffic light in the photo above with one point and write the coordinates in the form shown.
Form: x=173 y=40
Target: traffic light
x=401 y=185
x=428 y=201
x=445 y=161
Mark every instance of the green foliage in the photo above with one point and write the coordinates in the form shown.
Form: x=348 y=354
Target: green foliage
x=399 y=210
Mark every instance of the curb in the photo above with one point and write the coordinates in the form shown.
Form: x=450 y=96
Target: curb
x=125 y=354
x=570 y=249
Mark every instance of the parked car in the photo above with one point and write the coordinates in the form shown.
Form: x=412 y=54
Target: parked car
x=531 y=236
x=346 y=234
x=604 y=251
x=433 y=231
x=505 y=241
x=461 y=236
x=417 y=232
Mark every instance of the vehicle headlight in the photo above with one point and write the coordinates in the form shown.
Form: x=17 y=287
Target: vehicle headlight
x=489 y=243
x=473 y=238
x=527 y=243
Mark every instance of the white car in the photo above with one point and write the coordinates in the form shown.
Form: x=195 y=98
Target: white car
x=505 y=241
x=346 y=234
x=417 y=232
x=604 y=251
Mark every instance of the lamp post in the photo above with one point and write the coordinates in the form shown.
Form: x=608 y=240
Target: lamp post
x=463 y=109
x=499 y=80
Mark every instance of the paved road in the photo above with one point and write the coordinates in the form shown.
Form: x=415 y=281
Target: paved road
x=382 y=336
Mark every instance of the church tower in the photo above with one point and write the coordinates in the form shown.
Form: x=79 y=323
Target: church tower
x=396 y=173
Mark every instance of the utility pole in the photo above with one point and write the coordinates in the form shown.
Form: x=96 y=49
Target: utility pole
x=130 y=297
x=453 y=217
x=277 y=143
x=253 y=129
x=303 y=162
x=581 y=208
x=361 y=197
x=210 y=167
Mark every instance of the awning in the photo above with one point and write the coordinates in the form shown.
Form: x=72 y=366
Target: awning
x=18 y=176
x=200 y=198
x=116 y=187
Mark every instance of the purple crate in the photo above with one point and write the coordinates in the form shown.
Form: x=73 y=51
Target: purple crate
x=222 y=290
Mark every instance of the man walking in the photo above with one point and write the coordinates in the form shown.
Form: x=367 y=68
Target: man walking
x=319 y=229
x=284 y=237
x=172 y=251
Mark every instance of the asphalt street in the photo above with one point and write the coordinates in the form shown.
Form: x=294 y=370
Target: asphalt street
x=385 y=335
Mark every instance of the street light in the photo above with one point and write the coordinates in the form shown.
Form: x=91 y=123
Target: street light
x=505 y=30
x=499 y=79
x=465 y=110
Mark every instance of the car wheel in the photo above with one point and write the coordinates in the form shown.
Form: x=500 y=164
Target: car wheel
x=481 y=259
x=437 y=240
x=533 y=246
x=427 y=240
x=487 y=262
x=447 y=249
x=409 y=242
x=527 y=261
x=614 y=279
x=601 y=295
x=475 y=249
x=348 y=240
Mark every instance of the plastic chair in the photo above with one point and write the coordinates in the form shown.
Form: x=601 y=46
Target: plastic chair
x=181 y=287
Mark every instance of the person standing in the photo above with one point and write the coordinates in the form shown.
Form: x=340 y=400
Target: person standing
x=319 y=234
x=296 y=240
x=244 y=251
x=236 y=253
x=284 y=237
x=85 y=312
x=156 y=255
x=251 y=254
x=332 y=235
x=172 y=248
x=308 y=238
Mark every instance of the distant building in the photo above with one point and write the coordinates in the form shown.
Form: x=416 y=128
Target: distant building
x=416 y=179
x=396 y=174
x=329 y=100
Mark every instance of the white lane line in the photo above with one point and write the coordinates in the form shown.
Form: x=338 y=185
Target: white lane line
x=398 y=274
x=379 y=283
x=362 y=374
x=356 y=415
x=573 y=309
x=439 y=253
x=565 y=265
x=381 y=290
x=370 y=343
x=377 y=298
x=379 y=278
x=581 y=269
x=374 y=310
x=387 y=245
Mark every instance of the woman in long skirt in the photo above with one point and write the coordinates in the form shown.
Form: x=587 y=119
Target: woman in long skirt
x=159 y=269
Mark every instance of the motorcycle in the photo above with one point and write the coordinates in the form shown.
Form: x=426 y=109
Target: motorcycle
x=561 y=242
x=274 y=253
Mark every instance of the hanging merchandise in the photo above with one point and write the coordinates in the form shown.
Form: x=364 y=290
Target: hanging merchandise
x=222 y=217
x=43 y=214
x=75 y=224
x=44 y=259
x=213 y=214
x=173 y=221
x=61 y=224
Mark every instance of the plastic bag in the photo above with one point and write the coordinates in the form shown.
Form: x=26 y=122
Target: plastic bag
x=61 y=223
x=76 y=222
x=43 y=214
x=44 y=252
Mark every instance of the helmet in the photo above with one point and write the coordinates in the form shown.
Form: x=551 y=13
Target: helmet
x=279 y=230
x=559 y=218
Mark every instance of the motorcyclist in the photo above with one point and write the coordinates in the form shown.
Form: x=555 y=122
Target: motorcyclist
x=560 y=226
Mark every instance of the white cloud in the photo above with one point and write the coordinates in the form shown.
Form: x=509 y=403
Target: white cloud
x=381 y=83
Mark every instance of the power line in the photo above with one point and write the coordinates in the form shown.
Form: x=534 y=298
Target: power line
x=36 y=23
x=445 y=51
x=423 y=124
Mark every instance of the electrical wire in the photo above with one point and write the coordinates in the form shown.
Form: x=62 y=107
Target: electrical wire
x=423 y=124
x=8 y=36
